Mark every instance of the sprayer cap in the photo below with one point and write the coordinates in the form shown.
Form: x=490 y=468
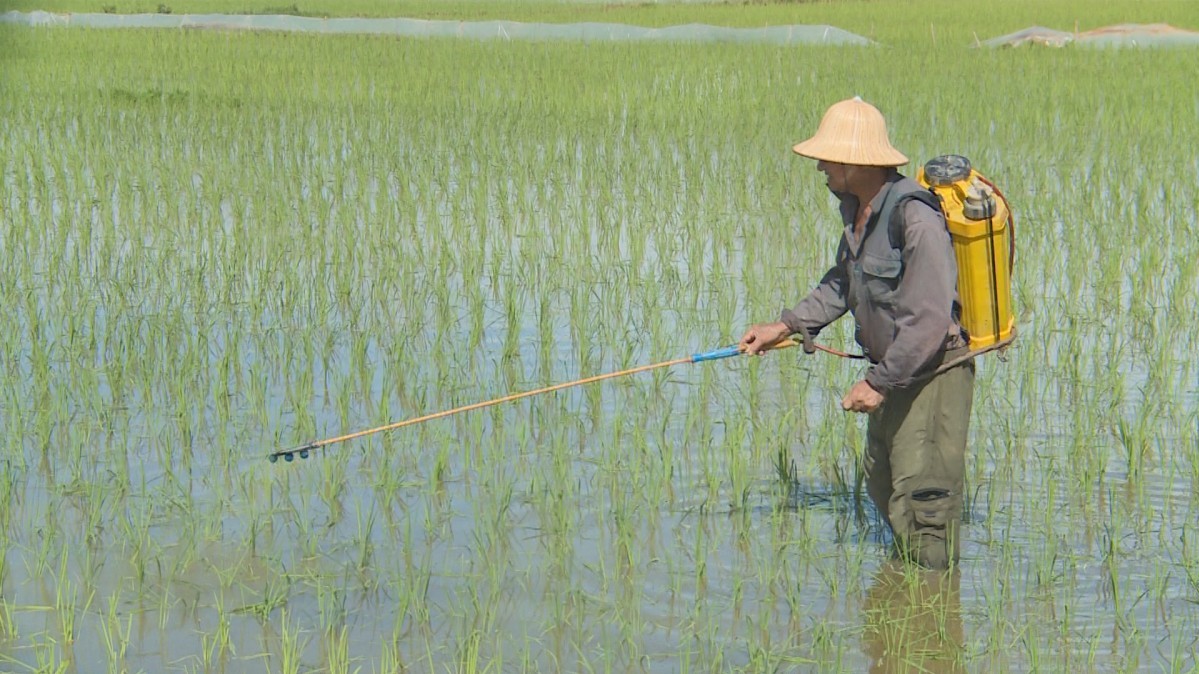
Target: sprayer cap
x=946 y=170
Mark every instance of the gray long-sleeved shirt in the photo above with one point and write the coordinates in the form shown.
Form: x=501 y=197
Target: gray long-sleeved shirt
x=904 y=301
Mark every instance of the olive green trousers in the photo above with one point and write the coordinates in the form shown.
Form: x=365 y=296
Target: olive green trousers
x=915 y=464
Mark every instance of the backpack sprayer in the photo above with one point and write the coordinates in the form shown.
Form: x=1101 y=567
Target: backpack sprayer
x=982 y=229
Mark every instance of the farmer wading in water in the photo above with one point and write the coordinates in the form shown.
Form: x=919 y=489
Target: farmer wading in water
x=895 y=271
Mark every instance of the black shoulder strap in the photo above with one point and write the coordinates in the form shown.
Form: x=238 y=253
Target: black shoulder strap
x=895 y=226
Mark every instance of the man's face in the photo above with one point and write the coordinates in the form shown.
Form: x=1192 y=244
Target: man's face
x=838 y=175
x=848 y=178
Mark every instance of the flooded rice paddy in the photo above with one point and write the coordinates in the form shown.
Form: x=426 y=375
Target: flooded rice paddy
x=209 y=263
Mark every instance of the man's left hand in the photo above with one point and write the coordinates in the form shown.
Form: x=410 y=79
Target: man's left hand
x=862 y=398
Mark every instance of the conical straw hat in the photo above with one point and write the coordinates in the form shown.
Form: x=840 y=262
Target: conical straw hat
x=852 y=132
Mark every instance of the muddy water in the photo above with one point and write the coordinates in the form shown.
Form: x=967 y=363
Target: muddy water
x=498 y=561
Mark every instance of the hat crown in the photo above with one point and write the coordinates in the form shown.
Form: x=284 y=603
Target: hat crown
x=852 y=132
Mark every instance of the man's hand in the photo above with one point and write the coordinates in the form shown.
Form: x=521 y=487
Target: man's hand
x=761 y=337
x=862 y=398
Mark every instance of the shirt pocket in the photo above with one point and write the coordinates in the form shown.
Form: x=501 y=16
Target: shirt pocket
x=880 y=276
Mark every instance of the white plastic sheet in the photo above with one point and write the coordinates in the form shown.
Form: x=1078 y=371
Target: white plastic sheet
x=1123 y=35
x=481 y=30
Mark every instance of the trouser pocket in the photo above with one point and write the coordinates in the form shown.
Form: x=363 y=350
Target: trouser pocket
x=934 y=508
x=933 y=537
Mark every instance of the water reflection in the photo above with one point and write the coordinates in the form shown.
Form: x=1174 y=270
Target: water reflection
x=913 y=620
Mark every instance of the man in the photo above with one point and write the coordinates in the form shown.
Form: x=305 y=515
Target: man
x=896 y=272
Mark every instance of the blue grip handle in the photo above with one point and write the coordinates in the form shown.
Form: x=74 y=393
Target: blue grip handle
x=726 y=352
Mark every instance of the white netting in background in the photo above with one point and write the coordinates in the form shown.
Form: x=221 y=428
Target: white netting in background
x=501 y=30
x=1123 y=35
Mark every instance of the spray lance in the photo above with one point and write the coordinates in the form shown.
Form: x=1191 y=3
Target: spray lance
x=304 y=451
x=979 y=226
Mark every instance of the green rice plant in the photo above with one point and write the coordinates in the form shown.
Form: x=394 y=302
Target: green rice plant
x=337 y=648
x=116 y=635
x=8 y=626
x=291 y=645
x=46 y=656
x=217 y=648
x=66 y=606
x=1180 y=660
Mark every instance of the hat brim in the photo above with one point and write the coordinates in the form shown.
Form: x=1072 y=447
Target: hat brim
x=844 y=153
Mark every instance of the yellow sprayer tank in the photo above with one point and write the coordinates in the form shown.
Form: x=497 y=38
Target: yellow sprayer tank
x=981 y=227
